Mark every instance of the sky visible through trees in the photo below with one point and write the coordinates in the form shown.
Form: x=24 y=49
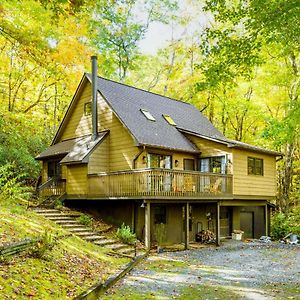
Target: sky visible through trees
x=236 y=61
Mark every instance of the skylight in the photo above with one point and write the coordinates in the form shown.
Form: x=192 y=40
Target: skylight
x=169 y=120
x=147 y=114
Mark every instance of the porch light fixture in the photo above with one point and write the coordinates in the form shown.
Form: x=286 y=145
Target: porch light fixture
x=176 y=163
x=143 y=205
x=144 y=159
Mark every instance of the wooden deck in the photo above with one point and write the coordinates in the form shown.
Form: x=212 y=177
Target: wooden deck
x=159 y=183
x=53 y=187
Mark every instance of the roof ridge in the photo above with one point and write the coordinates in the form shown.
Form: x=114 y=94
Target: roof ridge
x=143 y=90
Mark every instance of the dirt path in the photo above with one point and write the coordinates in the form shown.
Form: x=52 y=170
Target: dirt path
x=233 y=271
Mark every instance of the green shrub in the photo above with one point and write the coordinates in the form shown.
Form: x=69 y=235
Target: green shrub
x=279 y=227
x=125 y=235
x=282 y=224
x=46 y=243
x=293 y=221
x=11 y=184
x=85 y=220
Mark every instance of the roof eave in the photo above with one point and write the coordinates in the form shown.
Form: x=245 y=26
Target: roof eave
x=266 y=151
x=196 y=151
x=52 y=155
x=202 y=136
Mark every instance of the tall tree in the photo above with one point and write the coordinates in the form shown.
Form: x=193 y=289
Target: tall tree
x=117 y=28
x=244 y=31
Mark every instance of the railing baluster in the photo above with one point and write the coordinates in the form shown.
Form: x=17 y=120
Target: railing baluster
x=160 y=182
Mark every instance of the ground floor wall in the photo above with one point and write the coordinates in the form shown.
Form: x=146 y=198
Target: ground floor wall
x=111 y=211
x=251 y=220
x=168 y=223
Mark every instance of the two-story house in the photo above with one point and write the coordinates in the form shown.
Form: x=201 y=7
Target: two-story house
x=144 y=159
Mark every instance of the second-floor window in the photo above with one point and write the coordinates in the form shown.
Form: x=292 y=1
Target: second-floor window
x=159 y=161
x=87 y=108
x=255 y=166
x=215 y=164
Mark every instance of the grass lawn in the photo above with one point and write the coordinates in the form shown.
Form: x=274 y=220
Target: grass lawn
x=63 y=272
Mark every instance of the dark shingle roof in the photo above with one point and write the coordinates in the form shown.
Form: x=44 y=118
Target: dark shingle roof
x=75 y=150
x=237 y=144
x=127 y=102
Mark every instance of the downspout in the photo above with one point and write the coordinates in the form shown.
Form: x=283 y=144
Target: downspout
x=94 y=99
x=137 y=156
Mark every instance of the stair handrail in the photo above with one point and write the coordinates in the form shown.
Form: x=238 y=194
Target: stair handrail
x=46 y=184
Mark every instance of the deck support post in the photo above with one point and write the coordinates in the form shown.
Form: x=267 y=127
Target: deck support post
x=133 y=217
x=266 y=220
x=147 y=225
x=218 y=225
x=187 y=230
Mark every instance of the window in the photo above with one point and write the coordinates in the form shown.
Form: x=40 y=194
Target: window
x=148 y=115
x=255 y=166
x=160 y=215
x=87 y=108
x=159 y=161
x=169 y=120
x=54 y=170
x=215 y=164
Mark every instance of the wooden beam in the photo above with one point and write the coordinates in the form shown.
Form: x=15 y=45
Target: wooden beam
x=147 y=226
x=266 y=220
x=133 y=217
x=187 y=231
x=218 y=225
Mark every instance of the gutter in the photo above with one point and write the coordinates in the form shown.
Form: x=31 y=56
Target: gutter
x=137 y=156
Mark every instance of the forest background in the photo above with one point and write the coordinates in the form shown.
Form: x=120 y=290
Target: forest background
x=240 y=68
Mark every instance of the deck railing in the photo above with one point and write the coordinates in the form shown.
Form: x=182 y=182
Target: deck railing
x=53 y=187
x=160 y=183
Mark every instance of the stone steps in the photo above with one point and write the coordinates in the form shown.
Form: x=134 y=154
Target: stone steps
x=61 y=218
x=105 y=242
x=77 y=225
x=68 y=221
x=59 y=215
x=43 y=210
x=117 y=246
x=78 y=230
x=62 y=222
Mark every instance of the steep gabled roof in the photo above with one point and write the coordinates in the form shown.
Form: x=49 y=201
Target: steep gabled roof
x=127 y=102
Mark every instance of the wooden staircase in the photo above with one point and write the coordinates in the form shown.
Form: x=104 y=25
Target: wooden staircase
x=69 y=221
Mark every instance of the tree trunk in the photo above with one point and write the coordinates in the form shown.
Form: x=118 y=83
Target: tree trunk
x=287 y=177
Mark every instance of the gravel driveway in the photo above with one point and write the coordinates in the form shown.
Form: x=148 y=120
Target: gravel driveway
x=235 y=270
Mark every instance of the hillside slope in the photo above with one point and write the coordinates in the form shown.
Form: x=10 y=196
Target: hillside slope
x=64 y=271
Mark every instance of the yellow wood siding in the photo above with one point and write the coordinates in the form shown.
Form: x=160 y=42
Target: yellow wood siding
x=122 y=149
x=180 y=157
x=253 y=185
x=63 y=172
x=99 y=159
x=78 y=124
x=77 y=179
x=121 y=146
x=209 y=148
